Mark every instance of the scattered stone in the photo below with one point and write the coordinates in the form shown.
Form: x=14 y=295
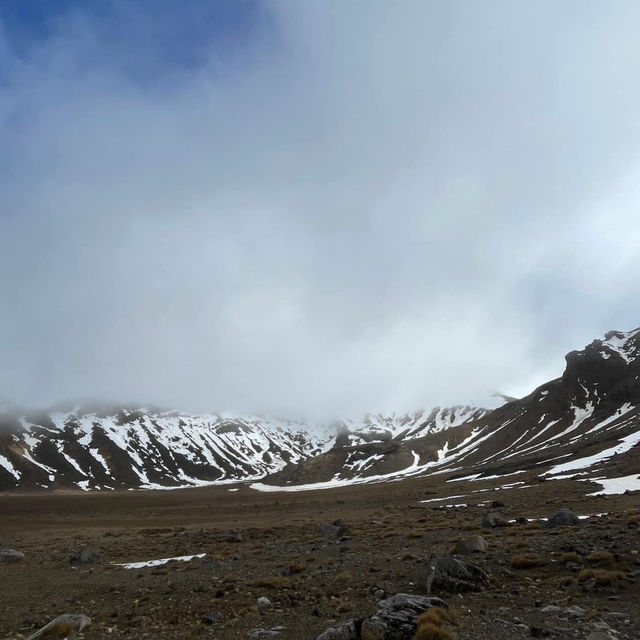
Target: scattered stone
x=64 y=626
x=84 y=555
x=336 y=528
x=551 y=608
x=343 y=631
x=265 y=633
x=234 y=536
x=492 y=520
x=498 y=504
x=473 y=544
x=576 y=612
x=263 y=602
x=455 y=576
x=11 y=555
x=563 y=518
x=213 y=616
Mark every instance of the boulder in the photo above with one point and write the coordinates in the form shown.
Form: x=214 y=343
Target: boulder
x=343 y=631
x=455 y=576
x=64 y=626
x=84 y=555
x=493 y=519
x=395 y=619
x=563 y=518
x=11 y=555
x=473 y=544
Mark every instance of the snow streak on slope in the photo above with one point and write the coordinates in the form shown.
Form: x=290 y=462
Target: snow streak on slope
x=151 y=449
x=376 y=427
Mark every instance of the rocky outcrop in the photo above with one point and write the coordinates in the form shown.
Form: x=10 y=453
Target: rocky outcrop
x=454 y=576
x=395 y=619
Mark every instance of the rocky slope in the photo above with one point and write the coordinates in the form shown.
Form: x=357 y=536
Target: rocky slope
x=94 y=448
x=585 y=423
x=578 y=424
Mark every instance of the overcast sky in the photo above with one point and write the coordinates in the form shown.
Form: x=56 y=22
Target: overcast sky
x=313 y=208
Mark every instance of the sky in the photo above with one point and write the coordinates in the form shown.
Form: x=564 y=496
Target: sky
x=313 y=209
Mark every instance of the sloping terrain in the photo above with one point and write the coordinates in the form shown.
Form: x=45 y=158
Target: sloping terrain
x=575 y=424
x=106 y=449
x=579 y=424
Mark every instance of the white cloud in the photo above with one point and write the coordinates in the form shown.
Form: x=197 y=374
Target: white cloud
x=381 y=206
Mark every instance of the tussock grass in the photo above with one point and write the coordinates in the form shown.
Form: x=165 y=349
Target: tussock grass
x=526 y=561
x=602 y=559
x=272 y=582
x=432 y=624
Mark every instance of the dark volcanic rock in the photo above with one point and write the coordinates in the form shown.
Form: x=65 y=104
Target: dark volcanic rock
x=563 y=518
x=491 y=520
x=343 y=631
x=455 y=576
x=395 y=619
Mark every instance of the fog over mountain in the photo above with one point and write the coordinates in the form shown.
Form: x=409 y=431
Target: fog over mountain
x=346 y=207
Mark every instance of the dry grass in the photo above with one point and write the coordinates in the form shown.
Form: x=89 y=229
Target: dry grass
x=433 y=622
x=571 y=556
x=273 y=582
x=602 y=559
x=295 y=568
x=526 y=561
x=415 y=534
x=601 y=577
x=344 y=577
x=634 y=519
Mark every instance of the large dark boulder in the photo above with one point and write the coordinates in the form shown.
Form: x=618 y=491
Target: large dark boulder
x=563 y=518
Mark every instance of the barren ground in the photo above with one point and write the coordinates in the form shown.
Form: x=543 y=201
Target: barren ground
x=313 y=580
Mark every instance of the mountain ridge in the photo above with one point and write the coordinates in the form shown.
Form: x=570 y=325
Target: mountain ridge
x=591 y=409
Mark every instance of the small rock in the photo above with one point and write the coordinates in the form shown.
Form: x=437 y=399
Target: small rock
x=576 y=612
x=551 y=608
x=563 y=518
x=343 y=631
x=213 y=616
x=84 y=555
x=455 y=576
x=492 y=520
x=263 y=602
x=11 y=555
x=473 y=544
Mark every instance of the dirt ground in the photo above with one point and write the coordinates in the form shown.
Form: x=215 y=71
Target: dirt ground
x=267 y=544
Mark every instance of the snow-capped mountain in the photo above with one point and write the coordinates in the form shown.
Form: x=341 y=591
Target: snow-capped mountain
x=585 y=422
x=145 y=448
x=377 y=427
x=577 y=424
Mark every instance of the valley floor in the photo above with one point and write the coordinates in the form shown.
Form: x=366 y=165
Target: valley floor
x=268 y=545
